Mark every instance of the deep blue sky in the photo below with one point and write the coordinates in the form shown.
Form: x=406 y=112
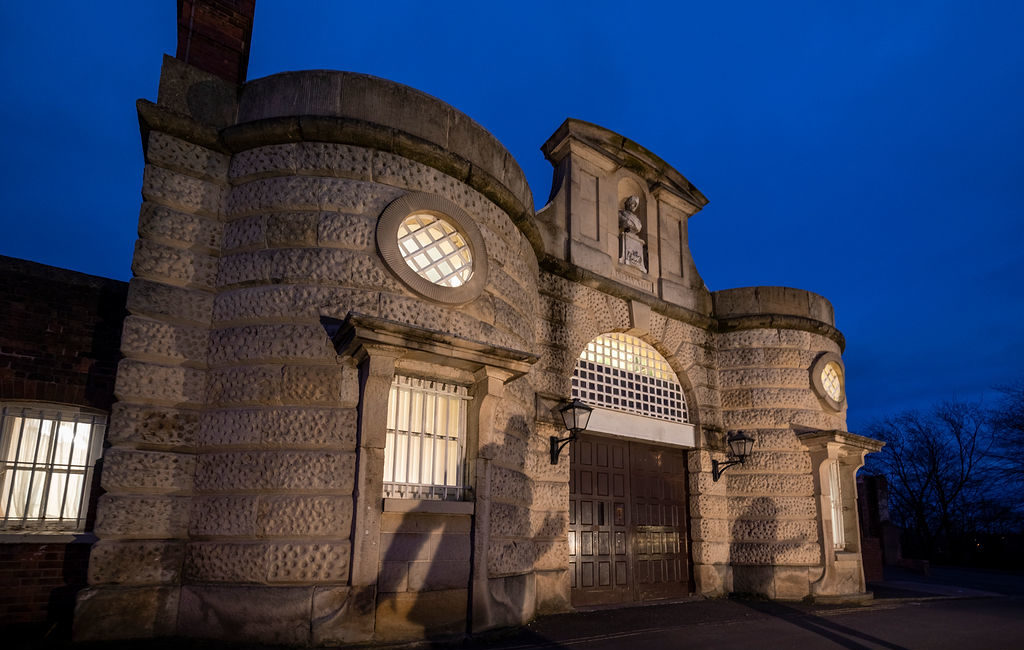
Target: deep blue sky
x=870 y=151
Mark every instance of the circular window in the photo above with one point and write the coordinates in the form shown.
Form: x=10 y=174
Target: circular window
x=828 y=381
x=434 y=247
x=435 y=250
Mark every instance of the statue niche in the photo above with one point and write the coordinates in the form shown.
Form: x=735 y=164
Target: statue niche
x=631 y=245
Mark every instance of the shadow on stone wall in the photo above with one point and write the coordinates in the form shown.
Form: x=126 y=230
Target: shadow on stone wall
x=425 y=585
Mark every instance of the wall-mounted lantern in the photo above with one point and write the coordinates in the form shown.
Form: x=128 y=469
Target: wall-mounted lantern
x=740 y=446
x=575 y=416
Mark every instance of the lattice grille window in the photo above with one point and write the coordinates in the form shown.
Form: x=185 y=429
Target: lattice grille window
x=47 y=464
x=424 y=453
x=435 y=250
x=623 y=373
x=831 y=381
x=836 y=500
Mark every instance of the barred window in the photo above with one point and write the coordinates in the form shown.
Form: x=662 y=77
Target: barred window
x=48 y=455
x=424 y=453
x=836 y=500
x=623 y=373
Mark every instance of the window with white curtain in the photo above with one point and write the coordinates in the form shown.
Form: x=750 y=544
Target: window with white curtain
x=48 y=456
x=836 y=499
x=424 y=453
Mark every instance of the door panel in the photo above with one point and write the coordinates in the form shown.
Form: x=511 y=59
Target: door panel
x=627 y=536
x=599 y=522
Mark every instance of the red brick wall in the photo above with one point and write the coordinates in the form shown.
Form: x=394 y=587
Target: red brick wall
x=214 y=36
x=60 y=334
x=60 y=340
x=38 y=582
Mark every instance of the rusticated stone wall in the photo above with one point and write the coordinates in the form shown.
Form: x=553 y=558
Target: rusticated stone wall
x=763 y=513
x=143 y=519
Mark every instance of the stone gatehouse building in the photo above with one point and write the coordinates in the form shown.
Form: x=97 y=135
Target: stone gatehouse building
x=350 y=332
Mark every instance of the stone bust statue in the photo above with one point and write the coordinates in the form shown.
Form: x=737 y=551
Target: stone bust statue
x=628 y=220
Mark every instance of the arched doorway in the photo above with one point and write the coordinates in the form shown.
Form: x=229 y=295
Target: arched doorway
x=628 y=538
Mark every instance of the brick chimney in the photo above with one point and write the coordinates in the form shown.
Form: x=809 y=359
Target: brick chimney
x=214 y=36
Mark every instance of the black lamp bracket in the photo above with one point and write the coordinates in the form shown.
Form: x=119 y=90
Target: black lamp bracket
x=557 y=444
x=717 y=468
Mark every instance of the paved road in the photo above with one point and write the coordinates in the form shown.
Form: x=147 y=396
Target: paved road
x=992 y=623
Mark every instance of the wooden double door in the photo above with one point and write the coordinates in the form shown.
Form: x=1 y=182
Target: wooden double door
x=627 y=522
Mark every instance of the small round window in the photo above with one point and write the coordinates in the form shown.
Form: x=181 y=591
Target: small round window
x=435 y=250
x=828 y=381
x=831 y=382
x=434 y=247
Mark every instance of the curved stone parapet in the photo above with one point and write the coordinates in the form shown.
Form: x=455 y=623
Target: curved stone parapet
x=363 y=110
x=764 y=301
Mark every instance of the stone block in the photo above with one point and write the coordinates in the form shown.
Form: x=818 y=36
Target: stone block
x=435 y=575
x=551 y=496
x=338 y=229
x=404 y=547
x=245 y=233
x=791 y=583
x=416 y=616
x=553 y=592
x=136 y=563
x=788 y=358
x=755 y=580
x=177 y=266
x=712 y=580
x=246 y=385
x=342 y=615
x=265 y=615
x=711 y=530
x=331 y=159
x=288 y=193
x=324 y=385
x=162 y=342
x=304 y=516
x=393 y=577
x=270 y=160
x=316 y=427
x=774 y=553
x=177 y=304
x=226 y=562
x=152 y=425
x=109 y=613
x=180 y=229
x=142 y=517
x=276 y=470
x=771 y=484
x=139 y=381
x=510 y=486
x=769 y=507
x=510 y=556
x=296 y=562
x=774 y=530
x=507 y=601
x=184 y=193
x=177 y=154
x=223 y=516
x=128 y=470
x=291 y=229
x=420 y=522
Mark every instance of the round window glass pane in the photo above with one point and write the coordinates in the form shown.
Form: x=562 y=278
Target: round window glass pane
x=831 y=381
x=435 y=250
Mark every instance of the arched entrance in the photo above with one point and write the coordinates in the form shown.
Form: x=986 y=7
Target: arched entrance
x=628 y=537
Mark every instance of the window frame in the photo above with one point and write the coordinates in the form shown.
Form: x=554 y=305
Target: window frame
x=447 y=210
x=11 y=447
x=452 y=394
x=817 y=368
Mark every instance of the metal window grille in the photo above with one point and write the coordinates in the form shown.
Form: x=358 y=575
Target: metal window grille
x=623 y=373
x=836 y=498
x=424 y=452
x=831 y=382
x=435 y=250
x=47 y=464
